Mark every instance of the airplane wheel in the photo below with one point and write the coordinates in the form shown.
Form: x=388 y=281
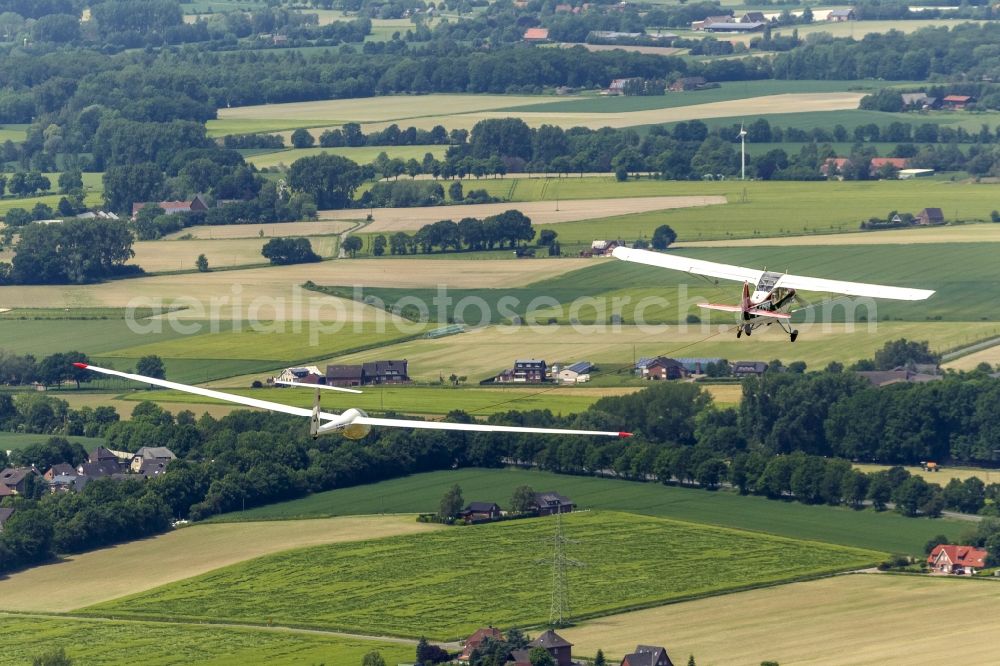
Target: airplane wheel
x=749 y=331
x=739 y=333
x=794 y=335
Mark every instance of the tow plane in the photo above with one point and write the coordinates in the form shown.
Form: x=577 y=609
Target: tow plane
x=353 y=423
x=768 y=296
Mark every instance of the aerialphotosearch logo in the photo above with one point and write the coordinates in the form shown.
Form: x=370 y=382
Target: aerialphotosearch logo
x=320 y=315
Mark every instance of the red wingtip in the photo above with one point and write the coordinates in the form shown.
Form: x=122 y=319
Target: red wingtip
x=624 y=434
x=82 y=366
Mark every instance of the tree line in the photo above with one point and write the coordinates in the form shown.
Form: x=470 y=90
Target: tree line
x=507 y=229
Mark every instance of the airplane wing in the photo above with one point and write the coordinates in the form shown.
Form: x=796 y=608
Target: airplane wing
x=364 y=420
x=687 y=265
x=853 y=288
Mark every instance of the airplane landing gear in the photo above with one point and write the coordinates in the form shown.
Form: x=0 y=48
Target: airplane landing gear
x=739 y=333
x=794 y=334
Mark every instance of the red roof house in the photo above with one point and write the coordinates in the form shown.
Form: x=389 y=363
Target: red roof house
x=476 y=639
x=895 y=162
x=957 y=101
x=536 y=34
x=956 y=559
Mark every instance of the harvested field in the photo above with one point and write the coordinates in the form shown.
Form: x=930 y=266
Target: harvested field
x=282 y=230
x=989 y=355
x=541 y=212
x=180 y=255
x=857 y=620
x=943 y=476
x=375 y=109
x=798 y=103
x=361 y=155
x=965 y=233
x=98 y=575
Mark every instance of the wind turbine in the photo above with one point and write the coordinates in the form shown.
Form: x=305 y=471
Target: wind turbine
x=743 y=153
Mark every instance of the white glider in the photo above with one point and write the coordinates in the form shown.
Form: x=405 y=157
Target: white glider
x=353 y=423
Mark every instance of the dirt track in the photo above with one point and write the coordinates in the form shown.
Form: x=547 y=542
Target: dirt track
x=540 y=212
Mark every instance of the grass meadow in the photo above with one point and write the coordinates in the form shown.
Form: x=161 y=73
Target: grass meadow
x=859 y=620
x=432 y=584
x=362 y=155
x=162 y=643
x=10 y=441
x=887 y=532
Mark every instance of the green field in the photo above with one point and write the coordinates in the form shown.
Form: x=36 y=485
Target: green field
x=886 y=531
x=851 y=118
x=10 y=441
x=161 y=643
x=413 y=400
x=362 y=155
x=433 y=584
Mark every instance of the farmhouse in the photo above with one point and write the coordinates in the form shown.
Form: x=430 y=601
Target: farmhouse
x=647 y=655
x=698 y=366
x=841 y=15
x=879 y=163
x=957 y=559
x=385 y=372
x=57 y=470
x=617 y=86
x=929 y=216
x=481 y=511
x=173 y=207
x=550 y=502
x=603 y=248
x=834 y=166
x=753 y=17
x=525 y=371
x=555 y=645
x=661 y=368
x=151 y=458
x=709 y=20
x=578 y=373
x=476 y=639
x=957 y=102
x=536 y=35
x=918 y=100
x=308 y=374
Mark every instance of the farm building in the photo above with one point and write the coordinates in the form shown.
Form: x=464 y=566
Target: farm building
x=536 y=35
x=841 y=15
x=525 y=371
x=308 y=374
x=834 y=166
x=918 y=101
x=698 y=366
x=749 y=368
x=929 y=216
x=550 y=502
x=151 y=458
x=173 y=207
x=386 y=372
x=344 y=375
x=880 y=378
x=647 y=655
x=578 y=373
x=753 y=17
x=481 y=511
x=734 y=27
x=957 y=559
x=476 y=639
x=879 y=163
x=15 y=479
x=603 y=248
x=957 y=102
x=907 y=174
x=617 y=86
x=709 y=20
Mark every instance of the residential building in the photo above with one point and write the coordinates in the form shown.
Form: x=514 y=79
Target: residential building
x=481 y=511
x=662 y=368
x=5 y=514
x=929 y=216
x=385 y=372
x=555 y=645
x=600 y=248
x=617 y=86
x=476 y=639
x=951 y=559
x=345 y=375
x=578 y=373
x=550 y=502
x=150 y=468
x=525 y=371
x=151 y=458
x=57 y=470
x=99 y=470
x=173 y=207
x=67 y=483
x=536 y=35
x=753 y=17
x=834 y=166
x=879 y=163
x=16 y=478
x=749 y=368
x=101 y=454
x=647 y=655
x=698 y=366
x=841 y=15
